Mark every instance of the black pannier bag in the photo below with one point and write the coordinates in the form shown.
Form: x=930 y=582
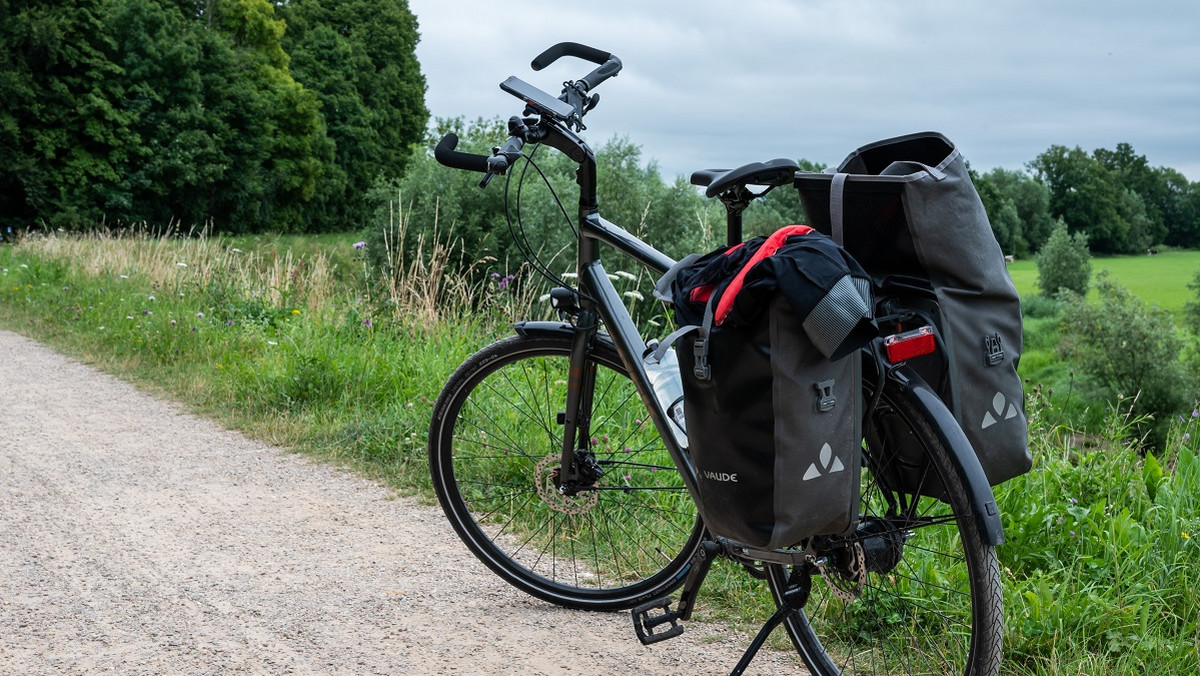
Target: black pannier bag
x=906 y=209
x=772 y=384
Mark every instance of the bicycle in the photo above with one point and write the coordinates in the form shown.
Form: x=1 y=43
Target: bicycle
x=564 y=471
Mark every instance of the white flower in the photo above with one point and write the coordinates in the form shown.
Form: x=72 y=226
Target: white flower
x=634 y=295
x=626 y=275
x=182 y=265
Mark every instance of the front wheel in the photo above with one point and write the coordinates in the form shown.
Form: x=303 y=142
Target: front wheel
x=916 y=590
x=494 y=452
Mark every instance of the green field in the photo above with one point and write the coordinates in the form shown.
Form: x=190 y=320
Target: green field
x=1161 y=279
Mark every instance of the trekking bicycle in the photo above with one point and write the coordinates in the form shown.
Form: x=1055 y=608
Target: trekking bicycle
x=562 y=461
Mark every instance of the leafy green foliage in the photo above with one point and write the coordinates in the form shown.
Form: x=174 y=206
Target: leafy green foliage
x=1123 y=204
x=1064 y=263
x=359 y=58
x=1129 y=349
x=167 y=111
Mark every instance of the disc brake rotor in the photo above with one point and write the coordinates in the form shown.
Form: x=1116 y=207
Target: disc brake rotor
x=545 y=477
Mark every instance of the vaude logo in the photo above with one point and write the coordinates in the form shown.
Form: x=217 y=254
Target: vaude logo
x=829 y=461
x=998 y=408
x=721 y=476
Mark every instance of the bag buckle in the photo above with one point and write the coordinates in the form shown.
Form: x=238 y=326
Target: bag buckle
x=701 y=369
x=826 y=401
x=993 y=349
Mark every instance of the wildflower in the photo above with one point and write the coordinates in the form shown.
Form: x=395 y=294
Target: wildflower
x=1071 y=532
x=634 y=295
x=408 y=405
x=625 y=275
x=271 y=342
x=124 y=276
x=199 y=315
x=367 y=322
x=182 y=265
x=1073 y=501
x=495 y=275
x=229 y=323
x=360 y=245
x=145 y=312
x=172 y=322
x=1196 y=414
x=295 y=311
x=1187 y=435
x=1185 y=535
x=149 y=298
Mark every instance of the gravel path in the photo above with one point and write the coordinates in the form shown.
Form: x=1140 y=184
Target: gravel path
x=138 y=539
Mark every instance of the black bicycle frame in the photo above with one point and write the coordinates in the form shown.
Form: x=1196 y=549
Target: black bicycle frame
x=599 y=299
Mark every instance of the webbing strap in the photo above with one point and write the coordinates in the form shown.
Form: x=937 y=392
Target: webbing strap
x=837 y=191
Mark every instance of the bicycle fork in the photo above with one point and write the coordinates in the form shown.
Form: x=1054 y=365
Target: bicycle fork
x=578 y=468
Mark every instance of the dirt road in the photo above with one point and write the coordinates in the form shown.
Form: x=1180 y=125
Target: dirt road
x=138 y=539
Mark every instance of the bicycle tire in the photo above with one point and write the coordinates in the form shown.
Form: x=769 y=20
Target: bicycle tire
x=939 y=609
x=495 y=439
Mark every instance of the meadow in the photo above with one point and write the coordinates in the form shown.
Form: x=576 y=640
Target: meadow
x=299 y=342
x=1161 y=279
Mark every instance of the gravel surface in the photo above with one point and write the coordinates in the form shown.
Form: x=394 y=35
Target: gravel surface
x=136 y=538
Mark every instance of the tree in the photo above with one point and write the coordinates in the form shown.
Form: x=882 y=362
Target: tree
x=1084 y=194
x=359 y=57
x=1064 y=263
x=62 y=139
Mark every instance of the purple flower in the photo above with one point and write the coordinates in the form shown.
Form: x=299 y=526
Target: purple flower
x=1196 y=414
x=367 y=322
x=360 y=245
x=229 y=323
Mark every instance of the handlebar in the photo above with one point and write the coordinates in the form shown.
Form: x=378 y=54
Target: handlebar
x=446 y=155
x=609 y=64
x=559 y=113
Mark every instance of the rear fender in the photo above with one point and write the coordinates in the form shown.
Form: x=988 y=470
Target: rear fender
x=962 y=454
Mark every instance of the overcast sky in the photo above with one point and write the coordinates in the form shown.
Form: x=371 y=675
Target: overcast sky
x=710 y=83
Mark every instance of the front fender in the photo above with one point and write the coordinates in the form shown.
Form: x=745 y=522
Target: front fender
x=543 y=328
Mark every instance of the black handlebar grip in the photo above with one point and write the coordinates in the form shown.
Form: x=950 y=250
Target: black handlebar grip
x=445 y=154
x=569 y=49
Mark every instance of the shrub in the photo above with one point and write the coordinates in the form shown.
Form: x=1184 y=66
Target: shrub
x=1064 y=263
x=1127 y=347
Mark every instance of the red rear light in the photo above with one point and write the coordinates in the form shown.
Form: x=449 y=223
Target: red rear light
x=910 y=344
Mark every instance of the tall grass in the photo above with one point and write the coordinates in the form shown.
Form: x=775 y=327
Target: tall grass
x=325 y=354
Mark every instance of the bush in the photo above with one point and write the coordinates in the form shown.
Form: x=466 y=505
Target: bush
x=1128 y=348
x=1064 y=263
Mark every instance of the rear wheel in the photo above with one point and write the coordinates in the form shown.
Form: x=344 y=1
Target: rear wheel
x=494 y=452
x=917 y=589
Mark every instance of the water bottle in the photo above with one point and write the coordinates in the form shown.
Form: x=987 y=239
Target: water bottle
x=668 y=389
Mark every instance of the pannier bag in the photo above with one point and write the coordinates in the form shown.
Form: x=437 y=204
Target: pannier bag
x=771 y=383
x=906 y=209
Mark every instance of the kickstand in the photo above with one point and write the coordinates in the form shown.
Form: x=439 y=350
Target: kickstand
x=794 y=598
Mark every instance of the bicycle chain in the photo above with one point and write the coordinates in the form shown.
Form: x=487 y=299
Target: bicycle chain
x=544 y=476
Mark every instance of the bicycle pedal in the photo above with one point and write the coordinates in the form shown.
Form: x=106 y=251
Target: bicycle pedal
x=649 y=627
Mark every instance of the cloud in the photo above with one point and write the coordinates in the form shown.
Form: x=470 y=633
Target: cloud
x=715 y=83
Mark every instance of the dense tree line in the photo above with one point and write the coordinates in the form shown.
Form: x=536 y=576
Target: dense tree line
x=1112 y=197
x=248 y=114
